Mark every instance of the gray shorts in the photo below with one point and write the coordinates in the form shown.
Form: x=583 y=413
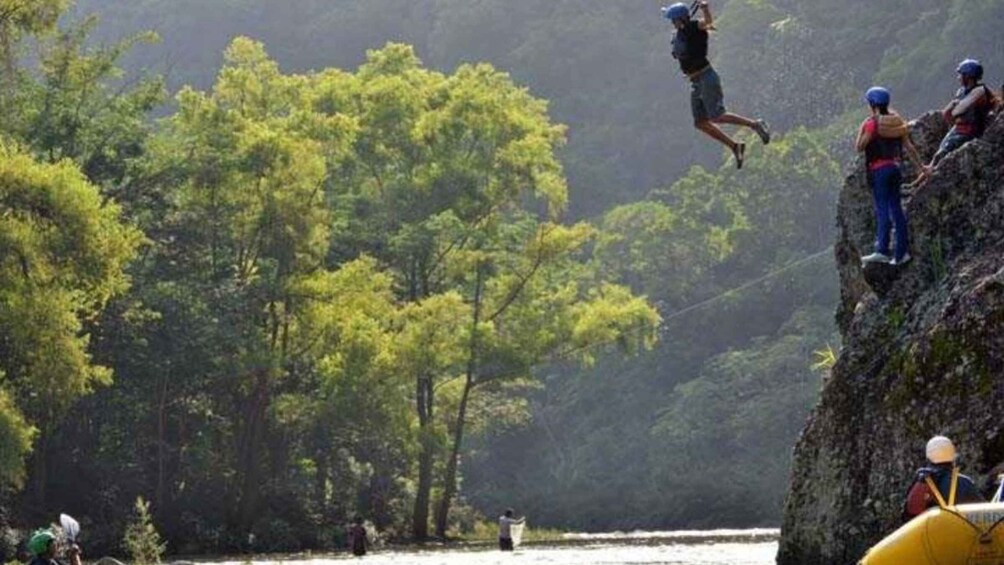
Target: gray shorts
x=707 y=102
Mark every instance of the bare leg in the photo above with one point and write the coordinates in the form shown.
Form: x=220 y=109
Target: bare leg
x=715 y=133
x=730 y=118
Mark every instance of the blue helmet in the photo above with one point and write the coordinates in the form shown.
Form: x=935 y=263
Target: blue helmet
x=970 y=68
x=678 y=11
x=878 y=96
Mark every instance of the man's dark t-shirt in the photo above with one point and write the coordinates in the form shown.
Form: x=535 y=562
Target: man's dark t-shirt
x=690 y=47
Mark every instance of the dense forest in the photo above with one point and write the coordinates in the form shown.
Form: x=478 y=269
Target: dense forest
x=420 y=261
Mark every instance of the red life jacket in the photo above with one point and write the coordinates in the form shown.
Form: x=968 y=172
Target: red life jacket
x=883 y=149
x=974 y=121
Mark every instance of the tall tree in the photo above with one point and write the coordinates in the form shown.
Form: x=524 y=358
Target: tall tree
x=63 y=252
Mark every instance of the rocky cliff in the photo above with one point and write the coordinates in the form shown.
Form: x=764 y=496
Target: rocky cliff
x=923 y=354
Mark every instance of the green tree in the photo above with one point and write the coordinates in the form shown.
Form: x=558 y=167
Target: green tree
x=141 y=540
x=64 y=250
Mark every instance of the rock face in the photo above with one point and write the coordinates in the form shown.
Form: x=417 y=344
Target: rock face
x=923 y=354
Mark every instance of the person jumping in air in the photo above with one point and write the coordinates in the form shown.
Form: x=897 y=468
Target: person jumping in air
x=707 y=102
x=882 y=138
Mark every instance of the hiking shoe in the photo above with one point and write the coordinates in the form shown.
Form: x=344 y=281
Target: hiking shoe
x=739 y=152
x=902 y=260
x=763 y=131
x=877 y=258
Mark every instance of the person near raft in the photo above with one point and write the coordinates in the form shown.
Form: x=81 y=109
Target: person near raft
x=882 y=138
x=506 y=522
x=969 y=111
x=42 y=547
x=707 y=102
x=936 y=483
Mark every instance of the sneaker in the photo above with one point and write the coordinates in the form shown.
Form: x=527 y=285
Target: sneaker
x=877 y=258
x=763 y=131
x=902 y=260
x=739 y=153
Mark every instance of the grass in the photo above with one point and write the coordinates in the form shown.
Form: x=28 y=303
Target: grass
x=489 y=532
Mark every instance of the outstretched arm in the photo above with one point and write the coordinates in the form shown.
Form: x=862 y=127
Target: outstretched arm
x=708 y=21
x=914 y=155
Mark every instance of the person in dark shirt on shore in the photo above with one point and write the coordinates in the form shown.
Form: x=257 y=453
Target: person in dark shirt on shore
x=707 y=101
x=359 y=543
x=936 y=483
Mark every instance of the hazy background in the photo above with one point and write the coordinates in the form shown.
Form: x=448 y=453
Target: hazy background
x=697 y=432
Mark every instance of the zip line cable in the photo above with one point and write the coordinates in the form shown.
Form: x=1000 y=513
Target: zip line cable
x=745 y=286
x=752 y=283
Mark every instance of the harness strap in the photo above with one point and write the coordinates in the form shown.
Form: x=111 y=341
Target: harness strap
x=952 y=490
x=934 y=490
x=955 y=486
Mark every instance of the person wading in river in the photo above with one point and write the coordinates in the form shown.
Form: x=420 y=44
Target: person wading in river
x=506 y=522
x=707 y=102
x=358 y=540
x=939 y=483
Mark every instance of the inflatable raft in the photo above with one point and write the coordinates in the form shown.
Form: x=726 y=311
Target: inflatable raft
x=950 y=534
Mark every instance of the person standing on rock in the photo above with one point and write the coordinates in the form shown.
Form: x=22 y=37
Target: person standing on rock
x=707 y=101
x=882 y=138
x=936 y=483
x=969 y=111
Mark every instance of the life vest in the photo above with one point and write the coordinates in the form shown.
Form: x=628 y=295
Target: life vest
x=974 y=121
x=883 y=149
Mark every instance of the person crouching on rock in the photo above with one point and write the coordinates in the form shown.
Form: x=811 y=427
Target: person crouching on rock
x=42 y=547
x=969 y=112
x=938 y=483
x=882 y=138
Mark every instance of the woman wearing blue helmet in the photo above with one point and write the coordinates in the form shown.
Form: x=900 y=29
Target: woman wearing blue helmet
x=707 y=102
x=882 y=138
x=969 y=111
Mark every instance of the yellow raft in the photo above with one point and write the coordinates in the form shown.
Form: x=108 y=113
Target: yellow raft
x=965 y=534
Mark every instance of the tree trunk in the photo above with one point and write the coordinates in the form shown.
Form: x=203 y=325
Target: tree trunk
x=249 y=454
x=424 y=404
x=161 y=446
x=450 y=480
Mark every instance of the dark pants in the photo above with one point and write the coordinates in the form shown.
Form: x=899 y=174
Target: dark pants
x=952 y=141
x=889 y=215
x=505 y=544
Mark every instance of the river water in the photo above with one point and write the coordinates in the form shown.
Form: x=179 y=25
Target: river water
x=721 y=547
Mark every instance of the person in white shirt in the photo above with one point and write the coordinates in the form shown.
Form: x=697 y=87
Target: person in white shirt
x=506 y=522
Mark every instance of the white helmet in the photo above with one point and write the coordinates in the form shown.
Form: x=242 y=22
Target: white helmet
x=940 y=450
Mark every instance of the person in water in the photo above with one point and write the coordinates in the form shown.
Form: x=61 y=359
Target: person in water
x=707 y=102
x=882 y=138
x=934 y=482
x=969 y=111
x=42 y=548
x=358 y=540
x=506 y=522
